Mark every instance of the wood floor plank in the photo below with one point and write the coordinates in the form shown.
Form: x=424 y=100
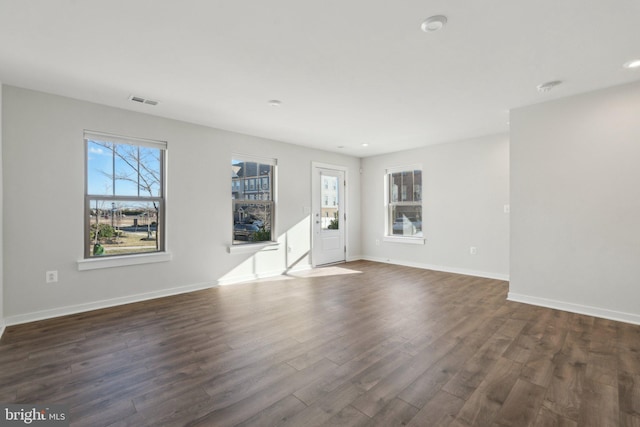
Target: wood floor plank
x=395 y=413
x=324 y=408
x=628 y=348
x=235 y=386
x=629 y=394
x=276 y=414
x=599 y=405
x=352 y=369
x=474 y=371
x=262 y=399
x=522 y=405
x=564 y=394
x=547 y=418
x=439 y=411
x=169 y=407
x=427 y=385
x=348 y=417
x=357 y=344
x=391 y=385
x=482 y=407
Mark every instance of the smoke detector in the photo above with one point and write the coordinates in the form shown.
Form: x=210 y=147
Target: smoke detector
x=433 y=23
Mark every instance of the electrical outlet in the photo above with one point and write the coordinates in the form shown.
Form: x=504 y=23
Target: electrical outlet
x=377 y=242
x=52 y=276
x=507 y=209
x=473 y=250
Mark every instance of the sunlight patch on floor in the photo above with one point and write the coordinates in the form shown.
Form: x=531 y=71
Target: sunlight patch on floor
x=324 y=271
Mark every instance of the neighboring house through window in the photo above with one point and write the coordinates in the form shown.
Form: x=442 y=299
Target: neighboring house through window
x=253 y=199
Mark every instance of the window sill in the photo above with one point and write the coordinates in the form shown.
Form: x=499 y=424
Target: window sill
x=253 y=247
x=407 y=240
x=121 y=261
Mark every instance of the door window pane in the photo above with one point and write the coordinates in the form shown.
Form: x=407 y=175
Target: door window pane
x=330 y=197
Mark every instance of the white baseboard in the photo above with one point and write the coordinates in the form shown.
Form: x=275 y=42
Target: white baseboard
x=80 y=308
x=467 y=272
x=576 y=308
x=2 y=329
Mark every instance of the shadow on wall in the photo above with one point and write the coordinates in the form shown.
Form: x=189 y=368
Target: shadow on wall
x=292 y=253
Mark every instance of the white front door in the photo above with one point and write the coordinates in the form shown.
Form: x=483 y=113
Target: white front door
x=328 y=215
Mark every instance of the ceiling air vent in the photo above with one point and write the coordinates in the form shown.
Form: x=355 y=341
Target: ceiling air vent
x=142 y=100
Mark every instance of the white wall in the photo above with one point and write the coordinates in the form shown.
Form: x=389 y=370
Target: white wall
x=465 y=188
x=575 y=197
x=2 y=324
x=43 y=199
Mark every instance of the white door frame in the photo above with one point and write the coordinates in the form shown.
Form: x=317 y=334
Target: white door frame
x=315 y=205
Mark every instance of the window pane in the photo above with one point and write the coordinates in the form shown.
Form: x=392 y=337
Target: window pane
x=417 y=186
x=407 y=187
x=395 y=186
x=123 y=227
x=251 y=180
x=252 y=221
x=100 y=168
x=127 y=225
x=123 y=170
x=126 y=170
x=406 y=220
x=150 y=172
x=253 y=205
x=404 y=203
x=329 y=210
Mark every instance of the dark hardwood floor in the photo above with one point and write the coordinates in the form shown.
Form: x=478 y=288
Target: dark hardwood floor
x=361 y=344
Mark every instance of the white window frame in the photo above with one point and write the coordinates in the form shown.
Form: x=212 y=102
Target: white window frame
x=240 y=246
x=388 y=223
x=89 y=262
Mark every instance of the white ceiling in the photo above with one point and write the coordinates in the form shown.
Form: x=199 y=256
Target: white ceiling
x=347 y=72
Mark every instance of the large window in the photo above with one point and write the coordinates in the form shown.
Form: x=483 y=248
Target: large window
x=124 y=195
x=404 y=202
x=252 y=193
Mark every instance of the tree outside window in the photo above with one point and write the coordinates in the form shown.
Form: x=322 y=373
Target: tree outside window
x=124 y=196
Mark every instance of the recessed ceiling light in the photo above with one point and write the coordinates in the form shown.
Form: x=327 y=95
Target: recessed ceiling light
x=365 y=144
x=433 y=23
x=274 y=103
x=546 y=87
x=634 y=63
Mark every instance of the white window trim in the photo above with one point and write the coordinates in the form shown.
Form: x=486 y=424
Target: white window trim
x=412 y=240
x=273 y=189
x=405 y=239
x=118 y=139
x=92 y=263
x=121 y=261
x=253 y=247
